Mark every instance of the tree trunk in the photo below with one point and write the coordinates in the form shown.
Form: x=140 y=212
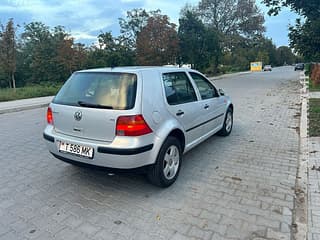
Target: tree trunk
x=13 y=81
x=10 y=83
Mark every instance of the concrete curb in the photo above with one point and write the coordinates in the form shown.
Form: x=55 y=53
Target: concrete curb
x=22 y=108
x=300 y=216
x=24 y=104
x=314 y=94
x=228 y=75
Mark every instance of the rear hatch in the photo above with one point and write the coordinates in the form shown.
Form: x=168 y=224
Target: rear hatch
x=89 y=104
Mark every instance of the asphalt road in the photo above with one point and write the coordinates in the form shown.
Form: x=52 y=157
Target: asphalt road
x=236 y=187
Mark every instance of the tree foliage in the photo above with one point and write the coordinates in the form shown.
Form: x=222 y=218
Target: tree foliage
x=309 y=9
x=213 y=36
x=157 y=42
x=304 y=36
x=235 y=30
x=8 y=52
x=113 y=51
x=48 y=54
x=285 y=56
x=132 y=24
x=232 y=17
x=199 y=44
x=305 y=39
x=192 y=36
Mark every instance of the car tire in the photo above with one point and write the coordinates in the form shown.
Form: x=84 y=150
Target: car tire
x=227 y=123
x=166 y=169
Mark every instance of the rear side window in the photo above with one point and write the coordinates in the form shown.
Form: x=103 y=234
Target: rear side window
x=178 y=88
x=100 y=90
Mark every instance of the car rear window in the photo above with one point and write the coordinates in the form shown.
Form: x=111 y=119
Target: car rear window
x=99 y=90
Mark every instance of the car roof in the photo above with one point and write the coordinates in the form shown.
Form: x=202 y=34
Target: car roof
x=135 y=69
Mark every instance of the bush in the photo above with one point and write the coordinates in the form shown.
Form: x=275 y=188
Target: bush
x=307 y=69
x=315 y=74
x=8 y=94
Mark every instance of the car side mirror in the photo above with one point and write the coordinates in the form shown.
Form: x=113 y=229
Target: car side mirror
x=221 y=92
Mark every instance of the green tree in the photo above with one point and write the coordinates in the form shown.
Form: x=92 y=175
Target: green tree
x=304 y=37
x=111 y=52
x=212 y=50
x=96 y=58
x=263 y=57
x=267 y=49
x=106 y=41
x=38 y=52
x=199 y=44
x=285 y=56
x=132 y=24
x=238 y=23
x=8 y=48
x=48 y=54
x=80 y=56
x=250 y=20
x=247 y=50
x=125 y=54
x=232 y=17
x=191 y=35
x=309 y=9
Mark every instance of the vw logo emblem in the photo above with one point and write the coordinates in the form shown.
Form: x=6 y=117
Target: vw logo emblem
x=77 y=115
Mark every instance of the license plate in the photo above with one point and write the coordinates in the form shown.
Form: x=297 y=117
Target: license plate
x=79 y=150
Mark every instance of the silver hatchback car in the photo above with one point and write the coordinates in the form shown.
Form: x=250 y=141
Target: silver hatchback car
x=132 y=117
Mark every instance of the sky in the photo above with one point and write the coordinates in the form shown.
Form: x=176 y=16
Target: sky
x=86 y=19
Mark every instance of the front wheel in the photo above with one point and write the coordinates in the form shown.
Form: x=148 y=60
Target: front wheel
x=166 y=169
x=227 y=124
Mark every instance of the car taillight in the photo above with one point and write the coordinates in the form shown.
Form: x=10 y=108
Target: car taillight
x=132 y=126
x=49 y=116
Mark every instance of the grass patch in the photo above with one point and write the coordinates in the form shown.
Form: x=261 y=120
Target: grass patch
x=312 y=87
x=7 y=94
x=314 y=117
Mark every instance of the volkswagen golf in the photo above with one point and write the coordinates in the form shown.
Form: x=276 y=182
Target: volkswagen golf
x=135 y=117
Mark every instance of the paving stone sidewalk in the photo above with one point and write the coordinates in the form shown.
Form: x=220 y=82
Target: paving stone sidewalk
x=314 y=94
x=236 y=188
x=314 y=183
x=314 y=189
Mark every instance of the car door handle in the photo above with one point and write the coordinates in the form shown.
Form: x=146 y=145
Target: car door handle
x=206 y=106
x=180 y=113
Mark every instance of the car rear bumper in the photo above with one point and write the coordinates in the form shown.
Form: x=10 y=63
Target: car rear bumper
x=129 y=156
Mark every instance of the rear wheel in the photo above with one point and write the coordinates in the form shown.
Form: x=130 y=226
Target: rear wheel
x=227 y=124
x=166 y=169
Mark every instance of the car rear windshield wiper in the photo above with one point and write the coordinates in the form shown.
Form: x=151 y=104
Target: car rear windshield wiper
x=93 y=105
